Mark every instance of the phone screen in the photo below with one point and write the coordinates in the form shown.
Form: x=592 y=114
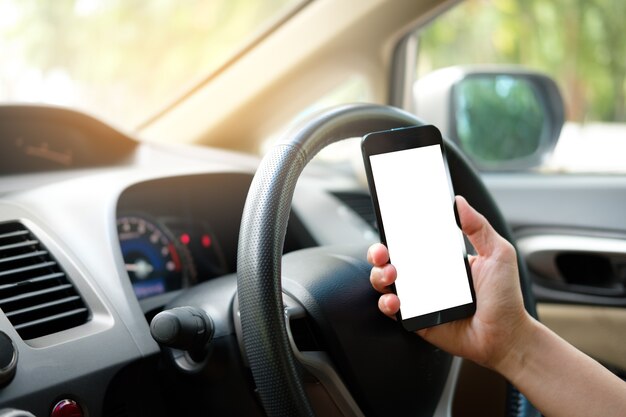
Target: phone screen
x=425 y=245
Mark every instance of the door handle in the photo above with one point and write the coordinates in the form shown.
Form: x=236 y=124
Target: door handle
x=582 y=264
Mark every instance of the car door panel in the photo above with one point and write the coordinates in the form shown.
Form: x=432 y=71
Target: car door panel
x=571 y=230
x=598 y=331
x=576 y=202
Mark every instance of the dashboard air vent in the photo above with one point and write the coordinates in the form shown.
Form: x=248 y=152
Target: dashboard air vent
x=360 y=203
x=35 y=294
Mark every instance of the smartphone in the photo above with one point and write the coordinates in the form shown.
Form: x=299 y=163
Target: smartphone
x=411 y=189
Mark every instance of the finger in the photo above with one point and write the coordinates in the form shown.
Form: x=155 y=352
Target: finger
x=377 y=254
x=471 y=259
x=382 y=277
x=478 y=230
x=389 y=304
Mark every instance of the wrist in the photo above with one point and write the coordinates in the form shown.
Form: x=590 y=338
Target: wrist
x=516 y=352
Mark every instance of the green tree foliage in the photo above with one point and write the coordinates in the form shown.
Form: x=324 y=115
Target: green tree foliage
x=580 y=43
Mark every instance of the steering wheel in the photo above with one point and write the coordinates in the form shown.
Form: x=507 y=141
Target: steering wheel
x=328 y=290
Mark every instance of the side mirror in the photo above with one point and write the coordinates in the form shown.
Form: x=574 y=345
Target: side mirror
x=503 y=118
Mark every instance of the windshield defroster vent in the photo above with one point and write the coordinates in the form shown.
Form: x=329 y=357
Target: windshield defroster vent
x=360 y=203
x=35 y=294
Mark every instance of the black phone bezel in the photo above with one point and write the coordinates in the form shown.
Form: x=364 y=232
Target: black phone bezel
x=403 y=139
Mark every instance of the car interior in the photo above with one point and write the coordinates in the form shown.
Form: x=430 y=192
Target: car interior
x=210 y=259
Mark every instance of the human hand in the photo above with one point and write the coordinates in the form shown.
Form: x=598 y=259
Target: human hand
x=487 y=336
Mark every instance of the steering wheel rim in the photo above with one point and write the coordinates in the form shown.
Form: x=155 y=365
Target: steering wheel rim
x=275 y=370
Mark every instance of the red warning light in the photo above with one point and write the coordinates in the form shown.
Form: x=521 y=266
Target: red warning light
x=185 y=239
x=206 y=241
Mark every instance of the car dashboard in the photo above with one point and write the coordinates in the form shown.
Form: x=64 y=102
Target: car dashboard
x=179 y=231
x=118 y=231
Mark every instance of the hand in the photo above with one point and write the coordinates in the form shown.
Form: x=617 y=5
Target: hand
x=487 y=336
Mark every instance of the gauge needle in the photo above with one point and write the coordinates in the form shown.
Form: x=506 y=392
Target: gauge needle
x=141 y=268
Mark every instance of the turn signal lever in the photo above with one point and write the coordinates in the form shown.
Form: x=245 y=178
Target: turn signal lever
x=184 y=328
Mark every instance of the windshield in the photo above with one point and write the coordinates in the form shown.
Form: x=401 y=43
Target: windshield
x=121 y=60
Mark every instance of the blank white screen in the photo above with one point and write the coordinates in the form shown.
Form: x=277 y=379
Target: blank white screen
x=425 y=245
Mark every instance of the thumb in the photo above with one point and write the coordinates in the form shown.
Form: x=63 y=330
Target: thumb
x=478 y=230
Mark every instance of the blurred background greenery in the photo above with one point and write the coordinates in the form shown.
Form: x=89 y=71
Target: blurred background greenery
x=580 y=43
x=124 y=60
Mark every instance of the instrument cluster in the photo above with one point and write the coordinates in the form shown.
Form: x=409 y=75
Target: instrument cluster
x=178 y=231
x=167 y=254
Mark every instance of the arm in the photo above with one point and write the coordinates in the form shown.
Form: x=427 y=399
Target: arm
x=557 y=378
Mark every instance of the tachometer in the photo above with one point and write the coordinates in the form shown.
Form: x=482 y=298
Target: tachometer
x=155 y=263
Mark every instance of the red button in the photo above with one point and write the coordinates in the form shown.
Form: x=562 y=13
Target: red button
x=67 y=408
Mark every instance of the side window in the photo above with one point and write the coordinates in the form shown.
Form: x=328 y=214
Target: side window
x=579 y=44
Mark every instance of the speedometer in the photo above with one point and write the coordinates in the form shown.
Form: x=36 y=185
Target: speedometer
x=154 y=261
